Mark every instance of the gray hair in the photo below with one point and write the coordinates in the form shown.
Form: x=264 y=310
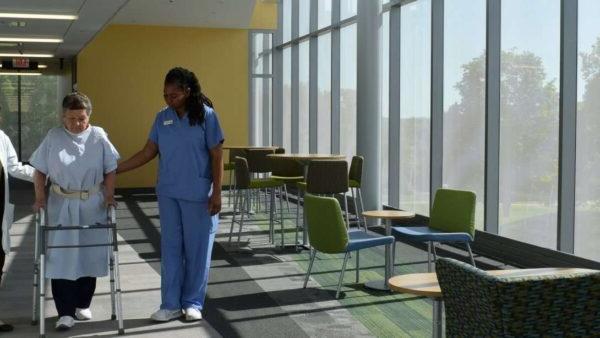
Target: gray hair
x=77 y=100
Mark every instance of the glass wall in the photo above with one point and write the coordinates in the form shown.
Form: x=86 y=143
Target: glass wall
x=464 y=98
x=324 y=94
x=287 y=98
x=414 y=91
x=587 y=206
x=530 y=69
x=348 y=90
x=303 y=76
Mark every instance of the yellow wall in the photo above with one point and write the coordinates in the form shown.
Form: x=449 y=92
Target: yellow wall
x=123 y=68
x=264 y=15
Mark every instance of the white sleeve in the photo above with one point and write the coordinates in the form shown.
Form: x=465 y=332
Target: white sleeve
x=14 y=167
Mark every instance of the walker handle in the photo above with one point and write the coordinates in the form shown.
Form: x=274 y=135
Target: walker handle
x=41 y=216
x=112 y=214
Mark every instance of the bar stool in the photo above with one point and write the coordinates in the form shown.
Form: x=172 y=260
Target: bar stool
x=354 y=183
x=259 y=164
x=230 y=166
x=245 y=184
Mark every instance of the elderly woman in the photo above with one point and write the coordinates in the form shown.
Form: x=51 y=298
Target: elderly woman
x=80 y=163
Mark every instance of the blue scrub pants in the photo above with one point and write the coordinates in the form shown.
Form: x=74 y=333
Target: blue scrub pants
x=187 y=236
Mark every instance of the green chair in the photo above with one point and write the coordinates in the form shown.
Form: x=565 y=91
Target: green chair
x=286 y=170
x=354 y=183
x=230 y=166
x=245 y=185
x=478 y=304
x=260 y=166
x=451 y=220
x=328 y=234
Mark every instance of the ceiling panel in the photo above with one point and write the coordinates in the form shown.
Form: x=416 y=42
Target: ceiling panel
x=191 y=13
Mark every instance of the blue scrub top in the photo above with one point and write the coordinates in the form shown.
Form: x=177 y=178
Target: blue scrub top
x=184 y=166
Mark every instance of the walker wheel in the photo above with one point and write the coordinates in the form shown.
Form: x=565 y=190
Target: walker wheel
x=121 y=332
x=113 y=317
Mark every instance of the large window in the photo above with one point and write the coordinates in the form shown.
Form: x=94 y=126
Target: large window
x=303 y=76
x=587 y=207
x=464 y=98
x=36 y=100
x=324 y=94
x=260 y=91
x=384 y=72
x=348 y=90
x=530 y=67
x=415 y=70
x=287 y=98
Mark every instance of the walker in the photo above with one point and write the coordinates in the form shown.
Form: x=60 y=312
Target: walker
x=39 y=282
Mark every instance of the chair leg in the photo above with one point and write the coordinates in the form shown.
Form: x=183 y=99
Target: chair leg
x=428 y=256
x=246 y=197
x=337 y=293
x=362 y=207
x=357 y=264
x=313 y=254
x=271 y=214
x=471 y=254
x=434 y=253
x=287 y=200
x=355 y=209
x=235 y=206
x=230 y=181
x=393 y=258
x=346 y=206
x=298 y=214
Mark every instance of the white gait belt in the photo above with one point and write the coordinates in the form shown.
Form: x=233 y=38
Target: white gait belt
x=75 y=194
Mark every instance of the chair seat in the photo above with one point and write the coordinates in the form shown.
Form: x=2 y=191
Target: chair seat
x=264 y=183
x=427 y=234
x=229 y=166
x=288 y=179
x=358 y=239
x=353 y=183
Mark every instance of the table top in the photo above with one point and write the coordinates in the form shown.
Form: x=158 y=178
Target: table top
x=388 y=214
x=309 y=156
x=248 y=147
x=426 y=284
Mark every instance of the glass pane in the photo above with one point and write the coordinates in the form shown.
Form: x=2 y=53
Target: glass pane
x=287 y=20
x=347 y=8
x=464 y=98
x=9 y=108
x=258 y=111
x=348 y=91
x=267 y=112
x=324 y=96
x=303 y=78
x=529 y=120
x=587 y=207
x=287 y=99
x=324 y=13
x=257 y=53
x=303 y=17
x=385 y=94
x=415 y=45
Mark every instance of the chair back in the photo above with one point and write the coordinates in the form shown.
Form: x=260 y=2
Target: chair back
x=326 y=227
x=453 y=211
x=242 y=174
x=286 y=167
x=481 y=305
x=233 y=153
x=356 y=168
x=327 y=177
x=258 y=161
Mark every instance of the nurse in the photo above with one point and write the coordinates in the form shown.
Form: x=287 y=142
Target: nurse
x=80 y=163
x=188 y=139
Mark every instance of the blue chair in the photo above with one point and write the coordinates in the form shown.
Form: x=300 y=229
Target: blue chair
x=328 y=234
x=452 y=220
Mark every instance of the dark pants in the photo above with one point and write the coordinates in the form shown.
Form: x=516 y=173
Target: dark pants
x=69 y=294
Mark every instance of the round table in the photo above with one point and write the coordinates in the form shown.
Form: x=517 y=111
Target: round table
x=388 y=216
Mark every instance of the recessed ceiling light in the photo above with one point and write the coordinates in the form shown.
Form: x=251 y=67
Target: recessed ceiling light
x=19 y=73
x=38 y=16
x=28 y=55
x=14 y=24
x=42 y=66
x=8 y=44
x=41 y=40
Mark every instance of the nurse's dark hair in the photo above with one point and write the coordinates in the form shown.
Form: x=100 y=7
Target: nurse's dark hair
x=185 y=79
x=77 y=100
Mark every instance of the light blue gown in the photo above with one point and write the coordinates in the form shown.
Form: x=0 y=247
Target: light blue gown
x=76 y=162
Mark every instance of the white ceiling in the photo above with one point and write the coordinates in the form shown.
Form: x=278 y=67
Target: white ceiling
x=94 y=15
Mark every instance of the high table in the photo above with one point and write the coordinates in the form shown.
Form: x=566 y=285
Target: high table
x=388 y=216
x=304 y=160
x=426 y=284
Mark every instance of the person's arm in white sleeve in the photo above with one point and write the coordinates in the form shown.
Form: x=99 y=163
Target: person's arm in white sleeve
x=14 y=167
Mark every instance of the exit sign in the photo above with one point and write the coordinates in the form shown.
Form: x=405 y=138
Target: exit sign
x=20 y=62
